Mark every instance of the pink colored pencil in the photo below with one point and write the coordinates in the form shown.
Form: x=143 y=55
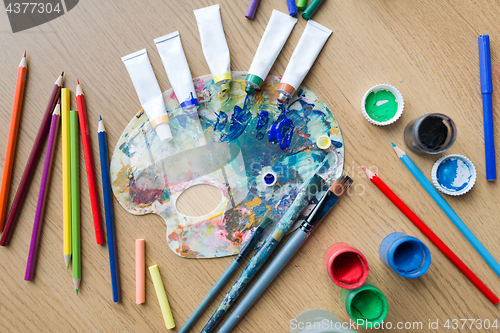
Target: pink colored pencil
x=47 y=167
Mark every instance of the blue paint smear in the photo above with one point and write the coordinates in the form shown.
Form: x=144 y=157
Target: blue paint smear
x=281 y=131
x=262 y=121
x=182 y=119
x=239 y=121
x=454 y=174
x=221 y=121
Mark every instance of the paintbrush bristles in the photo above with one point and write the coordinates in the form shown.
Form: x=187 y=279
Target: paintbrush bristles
x=341 y=185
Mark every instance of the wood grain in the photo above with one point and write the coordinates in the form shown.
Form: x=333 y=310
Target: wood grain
x=427 y=49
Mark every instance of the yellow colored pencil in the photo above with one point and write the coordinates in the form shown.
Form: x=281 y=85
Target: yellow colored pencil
x=66 y=172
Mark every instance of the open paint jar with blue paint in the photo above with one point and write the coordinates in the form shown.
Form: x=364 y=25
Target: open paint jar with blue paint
x=453 y=174
x=405 y=255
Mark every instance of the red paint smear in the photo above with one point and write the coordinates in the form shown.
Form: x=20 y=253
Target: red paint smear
x=348 y=268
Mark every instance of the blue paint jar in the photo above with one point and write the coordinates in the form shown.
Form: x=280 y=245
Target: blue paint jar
x=406 y=255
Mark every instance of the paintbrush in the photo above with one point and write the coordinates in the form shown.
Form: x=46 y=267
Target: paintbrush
x=288 y=251
x=272 y=241
x=254 y=239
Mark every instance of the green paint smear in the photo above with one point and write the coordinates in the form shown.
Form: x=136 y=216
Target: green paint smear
x=367 y=305
x=381 y=105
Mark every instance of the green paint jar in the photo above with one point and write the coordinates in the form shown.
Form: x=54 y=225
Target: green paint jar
x=382 y=105
x=366 y=305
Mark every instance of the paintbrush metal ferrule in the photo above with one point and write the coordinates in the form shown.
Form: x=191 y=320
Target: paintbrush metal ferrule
x=338 y=188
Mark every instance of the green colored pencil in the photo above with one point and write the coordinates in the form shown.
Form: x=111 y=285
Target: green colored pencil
x=75 y=198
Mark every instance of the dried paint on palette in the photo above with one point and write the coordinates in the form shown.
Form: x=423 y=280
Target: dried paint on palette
x=231 y=143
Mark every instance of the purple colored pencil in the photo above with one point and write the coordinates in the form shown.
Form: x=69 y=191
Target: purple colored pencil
x=252 y=7
x=47 y=167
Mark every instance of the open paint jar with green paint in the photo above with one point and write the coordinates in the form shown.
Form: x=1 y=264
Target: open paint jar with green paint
x=366 y=305
x=382 y=105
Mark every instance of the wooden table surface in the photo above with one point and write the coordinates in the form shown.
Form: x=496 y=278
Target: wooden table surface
x=427 y=49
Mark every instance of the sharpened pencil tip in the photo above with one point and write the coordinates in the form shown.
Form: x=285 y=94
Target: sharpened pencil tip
x=393 y=144
x=77 y=81
x=76 y=292
x=24 y=55
x=58 y=101
x=364 y=169
x=62 y=73
x=100 y=118
x=67 y=266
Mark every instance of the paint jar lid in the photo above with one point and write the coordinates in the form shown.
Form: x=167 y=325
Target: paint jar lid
x=453 y=174
x=382 y=105
x=269 y=178
x=253 y=83
x=324 y=142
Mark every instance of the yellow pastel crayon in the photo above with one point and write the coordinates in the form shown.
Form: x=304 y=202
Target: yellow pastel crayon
x=66 y=174
x=162 y=297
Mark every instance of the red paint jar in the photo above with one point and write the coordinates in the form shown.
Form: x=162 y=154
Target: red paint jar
x=346 y=266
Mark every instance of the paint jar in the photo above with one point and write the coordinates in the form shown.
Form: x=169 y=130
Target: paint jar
x=318 y=321
x=432 y=133
x=346 y=266
x=366 y=305
x=406 y=255
x=382 y=105
x=453 y=174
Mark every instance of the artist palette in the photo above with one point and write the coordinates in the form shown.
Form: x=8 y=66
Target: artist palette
x=225 y=144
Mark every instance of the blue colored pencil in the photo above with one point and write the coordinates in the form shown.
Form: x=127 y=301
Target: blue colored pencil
x=448 y=210
x=259 y=258
x=108 y=207
x=292 y=7
x=254 y=239
x=486 y=91
x=288 y=251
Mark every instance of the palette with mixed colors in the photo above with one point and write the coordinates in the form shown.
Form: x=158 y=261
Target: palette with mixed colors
x=232 y=142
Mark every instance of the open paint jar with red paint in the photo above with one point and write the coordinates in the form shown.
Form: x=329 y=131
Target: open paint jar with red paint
x=346 y=266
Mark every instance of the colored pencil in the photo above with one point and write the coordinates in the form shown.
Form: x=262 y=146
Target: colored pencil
x=31 y=164
x=486 y=92
x=12 y=139
x=108 y=210
x=254 y=239
x=447 y=210
x=162 y=297
x=265 y=251
x=140 y=265
x=66 y=174
x=89 y=163
x=455 y=260
x=252 y=7
x=75 y=198
x=325 y=204
x=44 y=186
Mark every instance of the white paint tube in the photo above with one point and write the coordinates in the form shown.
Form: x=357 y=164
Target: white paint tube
x=213 y=42
x=310 y=44
x=149 y=92
x=177 y=68
x=278 y=29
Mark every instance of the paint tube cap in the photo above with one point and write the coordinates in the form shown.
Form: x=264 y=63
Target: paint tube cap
x=382 y=105
x=323 y=142
x=253 y=83
x=189 y=103
x=453 y=174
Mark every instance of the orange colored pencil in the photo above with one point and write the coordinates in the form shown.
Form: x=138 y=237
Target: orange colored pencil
x=11 y=141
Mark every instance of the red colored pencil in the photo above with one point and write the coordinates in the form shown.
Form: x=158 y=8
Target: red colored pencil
x=43 y=131
x=432 y=237
x=12 y=138
x=89 y=163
